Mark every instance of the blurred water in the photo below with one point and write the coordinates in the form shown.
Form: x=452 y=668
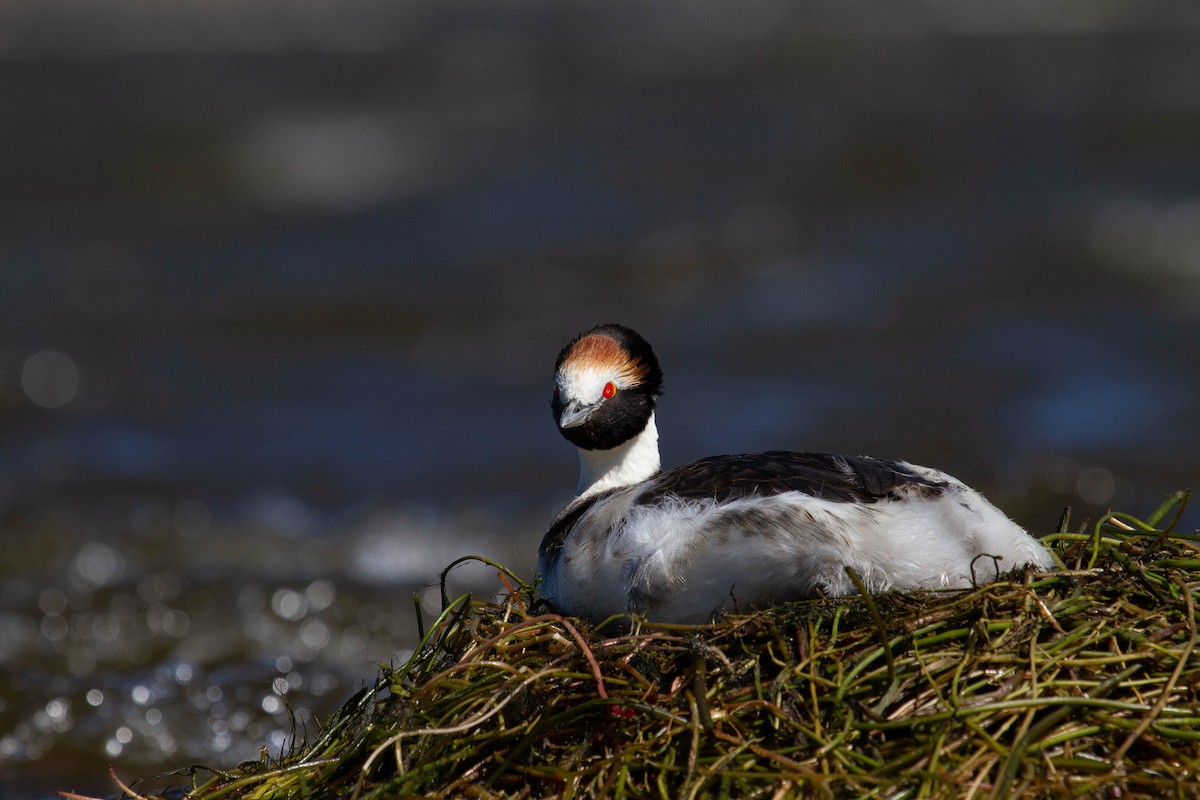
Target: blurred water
x=281 y=286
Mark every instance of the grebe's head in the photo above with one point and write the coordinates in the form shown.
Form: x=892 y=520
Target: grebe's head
x=605 y=384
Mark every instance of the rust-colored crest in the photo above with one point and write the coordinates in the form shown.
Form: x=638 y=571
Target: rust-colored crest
x=599 y=352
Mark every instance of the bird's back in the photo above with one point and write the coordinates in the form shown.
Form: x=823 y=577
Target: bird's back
x=849 y=479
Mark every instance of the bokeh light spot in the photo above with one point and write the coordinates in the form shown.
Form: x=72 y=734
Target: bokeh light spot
x=50 y=379
x=1096 y=485
x=289 y=604
x=98 y=564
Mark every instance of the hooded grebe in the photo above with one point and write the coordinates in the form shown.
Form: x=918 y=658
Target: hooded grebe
x=741 y=531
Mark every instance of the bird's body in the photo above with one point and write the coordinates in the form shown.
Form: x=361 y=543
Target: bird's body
x=742 y=531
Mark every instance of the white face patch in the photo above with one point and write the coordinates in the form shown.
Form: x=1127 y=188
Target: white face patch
x=586 y=384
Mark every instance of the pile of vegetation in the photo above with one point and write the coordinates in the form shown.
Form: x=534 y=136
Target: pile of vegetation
x=1080 y=681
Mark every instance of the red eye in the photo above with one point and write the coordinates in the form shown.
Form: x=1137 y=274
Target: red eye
x=610 y=389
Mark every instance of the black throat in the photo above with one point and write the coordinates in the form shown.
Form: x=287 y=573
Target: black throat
x=614 y=423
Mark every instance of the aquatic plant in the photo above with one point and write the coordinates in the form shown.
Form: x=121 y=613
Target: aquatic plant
x=1076 y=682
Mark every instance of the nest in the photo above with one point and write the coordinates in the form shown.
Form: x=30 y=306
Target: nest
x=1080 y=681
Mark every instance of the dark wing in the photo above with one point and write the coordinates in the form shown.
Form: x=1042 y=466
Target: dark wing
x=846 y=479
x=556 y=537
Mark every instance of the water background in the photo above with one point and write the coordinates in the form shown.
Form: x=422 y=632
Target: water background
x=282 y=284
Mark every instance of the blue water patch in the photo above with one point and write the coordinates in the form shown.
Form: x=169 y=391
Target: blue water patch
x=1089 y=411
x=1081 y=381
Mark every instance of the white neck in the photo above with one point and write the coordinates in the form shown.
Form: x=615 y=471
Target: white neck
x=624 y=465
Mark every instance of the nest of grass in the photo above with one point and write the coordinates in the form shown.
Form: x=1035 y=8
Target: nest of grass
x=1081 y=681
